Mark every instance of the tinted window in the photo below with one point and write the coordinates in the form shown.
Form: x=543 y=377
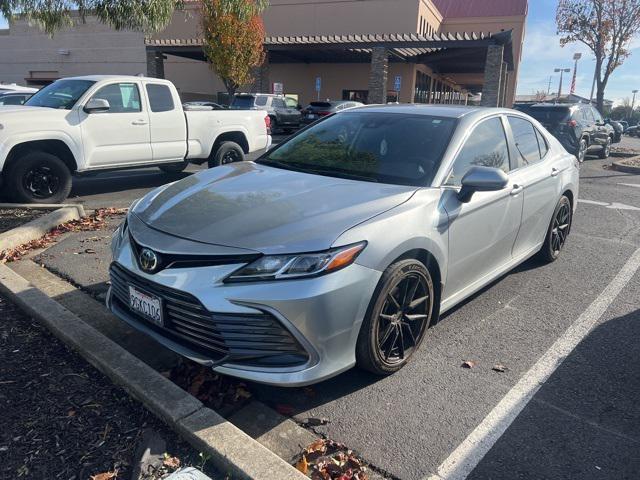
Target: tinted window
x=486 y=146
x=542 y=143
x=526 y=140
x=122 y=97
x=596 y=115
x=261 y=101
x=291 y=103
x=587 y=114
x=60 y=94
x=160 y=98
x=549 y=115
x=13 y=100
x=278 y=103
x=401 y=149
x=245 y=102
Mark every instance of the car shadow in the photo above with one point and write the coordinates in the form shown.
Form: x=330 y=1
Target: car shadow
x=112 y=182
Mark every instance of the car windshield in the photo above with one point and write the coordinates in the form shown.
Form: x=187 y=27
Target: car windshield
x=549 y=115
x=397 y=148
x=62 y=94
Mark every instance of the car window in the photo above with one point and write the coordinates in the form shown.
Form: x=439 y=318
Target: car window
x=278 y=103
x=13 y=100
x=542 y=143
x=550 y=115
x=291 y=103
x=588 y=115
x=526 y=140
x=596 y=115
x=261 y=101
x=486 y=146
x=160 y=98
x=122 y=97
x=61 y=94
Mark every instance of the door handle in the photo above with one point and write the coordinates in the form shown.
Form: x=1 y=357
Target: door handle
x=554 y=172
x=517 y=189
x=138 y=122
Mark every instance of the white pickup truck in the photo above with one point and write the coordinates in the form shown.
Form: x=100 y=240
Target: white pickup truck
x=103 y=122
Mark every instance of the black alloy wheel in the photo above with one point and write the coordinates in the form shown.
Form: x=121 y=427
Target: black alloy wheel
x=558 y=232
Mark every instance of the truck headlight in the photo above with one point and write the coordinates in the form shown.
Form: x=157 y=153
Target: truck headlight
x=283 y=267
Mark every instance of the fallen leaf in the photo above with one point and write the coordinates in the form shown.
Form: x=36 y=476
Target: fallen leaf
x=499 y=368
x=105 y=476
x=468 y=364
x=71 y=413
x=89 y=250
x=171 y=462
x=302 y=465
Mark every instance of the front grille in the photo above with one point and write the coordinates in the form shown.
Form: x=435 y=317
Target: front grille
x=256 y=339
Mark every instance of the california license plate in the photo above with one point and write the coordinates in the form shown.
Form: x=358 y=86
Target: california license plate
x=311 y=116
x=147 y=305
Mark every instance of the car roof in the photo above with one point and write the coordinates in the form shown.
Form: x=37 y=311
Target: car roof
x=125 y=78
x=451 y=111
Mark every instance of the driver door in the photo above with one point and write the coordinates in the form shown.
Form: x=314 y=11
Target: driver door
x=120 y=135
x=483 y=231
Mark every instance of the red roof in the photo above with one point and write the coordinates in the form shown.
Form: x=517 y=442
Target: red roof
x=481 y=8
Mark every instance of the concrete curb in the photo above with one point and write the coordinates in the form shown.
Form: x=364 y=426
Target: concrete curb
x=40 y=226
x=621 y=167
x=231 y=450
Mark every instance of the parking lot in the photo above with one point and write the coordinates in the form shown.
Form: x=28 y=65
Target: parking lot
x=575 y=321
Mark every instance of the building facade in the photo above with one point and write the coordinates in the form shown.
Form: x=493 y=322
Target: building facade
x=427 y=51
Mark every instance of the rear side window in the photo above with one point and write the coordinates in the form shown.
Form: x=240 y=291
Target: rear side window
x=160 y=98
x=261 y=101
x=542 y=143
x=526 y=140
x=486 y=146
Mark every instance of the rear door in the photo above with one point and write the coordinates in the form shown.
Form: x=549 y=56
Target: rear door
x=600 y=128
x=121 y=134
x=167 y=124
x=538 y=177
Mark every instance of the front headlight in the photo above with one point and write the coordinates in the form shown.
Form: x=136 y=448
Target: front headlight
x=282 y=267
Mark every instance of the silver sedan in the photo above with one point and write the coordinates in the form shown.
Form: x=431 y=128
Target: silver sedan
x=344 y=244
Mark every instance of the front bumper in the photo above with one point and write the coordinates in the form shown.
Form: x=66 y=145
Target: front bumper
x=322 y=314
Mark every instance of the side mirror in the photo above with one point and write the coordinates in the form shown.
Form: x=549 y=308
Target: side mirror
x=481 y=179
x=97 y=105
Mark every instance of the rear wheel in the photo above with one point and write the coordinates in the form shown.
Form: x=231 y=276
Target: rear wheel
x=559 y=230
x=38 y=177
x=398 y=318
x=606 y=149
x=228 y=152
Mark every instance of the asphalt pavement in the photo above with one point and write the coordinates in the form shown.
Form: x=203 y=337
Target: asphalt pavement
x=579 y=318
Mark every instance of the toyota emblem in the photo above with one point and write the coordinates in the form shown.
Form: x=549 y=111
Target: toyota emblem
x=149 y=260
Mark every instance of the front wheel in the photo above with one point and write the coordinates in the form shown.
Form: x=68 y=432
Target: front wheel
x=398 y=318
x=558 y=231
x=582 y=150
x=606 y=149
x=228 y=152
x=39 y=177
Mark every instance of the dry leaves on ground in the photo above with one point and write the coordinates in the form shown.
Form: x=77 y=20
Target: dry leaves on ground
x=468 y=364
x=328 y=460
x=95 y=221
x=105 y=476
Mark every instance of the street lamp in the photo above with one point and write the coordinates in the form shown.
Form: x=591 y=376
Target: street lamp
x=562 y=71
x=633 y=103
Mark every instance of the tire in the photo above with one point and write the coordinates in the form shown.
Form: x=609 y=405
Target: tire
x=228 y=152
x=559 y=225
x=39 y=177
x=606 y=150
x=582 y=150
x=377 y=346
x=173 y=167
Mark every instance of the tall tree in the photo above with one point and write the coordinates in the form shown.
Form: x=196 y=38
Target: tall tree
x=606 y=27
x=233 y=39
x=146 y=15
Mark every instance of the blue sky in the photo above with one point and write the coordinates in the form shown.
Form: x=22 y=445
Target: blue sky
x=542 y=53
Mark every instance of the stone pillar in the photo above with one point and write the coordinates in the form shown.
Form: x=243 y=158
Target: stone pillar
x=378 y=75
x=155 y=64
x=505 y=85
x=492 y=76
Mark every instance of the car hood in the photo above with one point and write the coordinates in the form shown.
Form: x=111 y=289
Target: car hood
x=265 y=209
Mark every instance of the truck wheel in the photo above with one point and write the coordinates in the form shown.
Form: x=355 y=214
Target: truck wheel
x=39 y=177
x=173 y=167
x=228 y=152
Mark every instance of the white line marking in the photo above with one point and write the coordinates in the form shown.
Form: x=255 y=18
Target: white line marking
x=614 y=205
x=630 y=184
x=468 y=454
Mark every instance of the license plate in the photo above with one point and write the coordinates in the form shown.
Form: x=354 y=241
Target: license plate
x=147 y=305
x=311 y=116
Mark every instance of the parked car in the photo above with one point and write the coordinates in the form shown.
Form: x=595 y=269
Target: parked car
x=625 y=125
x=14 y=98
x=12 y=87
x=633 y=131
x=204 y=105
x=283 y=111
x=344 y=243
x=101 y=122
x=317 y=110
x=579 y=127
x=618 y=129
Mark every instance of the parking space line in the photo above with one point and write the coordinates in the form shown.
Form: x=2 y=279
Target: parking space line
x=472 y=450
x=614 y=205
x=630 y=184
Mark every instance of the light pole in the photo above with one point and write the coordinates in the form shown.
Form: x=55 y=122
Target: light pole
x=576 y=57
x=562 y=71
x=633 y=103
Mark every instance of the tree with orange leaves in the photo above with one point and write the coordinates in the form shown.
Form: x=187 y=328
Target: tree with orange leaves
x=233 y=39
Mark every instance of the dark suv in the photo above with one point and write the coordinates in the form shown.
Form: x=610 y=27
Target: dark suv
x=284 y=112
x=579 y=126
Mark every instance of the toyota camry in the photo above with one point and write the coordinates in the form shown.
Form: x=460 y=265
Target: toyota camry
x=342 y=245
